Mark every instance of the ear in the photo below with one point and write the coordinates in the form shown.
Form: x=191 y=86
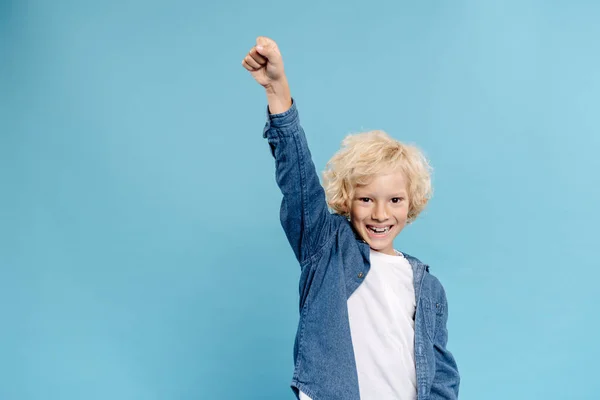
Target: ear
x=346 y=211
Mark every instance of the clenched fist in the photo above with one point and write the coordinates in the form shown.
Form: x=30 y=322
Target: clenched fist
x=264 y=62
x=266 y=66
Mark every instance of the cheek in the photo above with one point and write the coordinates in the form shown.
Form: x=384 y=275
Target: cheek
x=402 y=215
x=357 y=213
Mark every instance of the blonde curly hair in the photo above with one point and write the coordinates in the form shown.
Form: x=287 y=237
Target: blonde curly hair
x=367 y=154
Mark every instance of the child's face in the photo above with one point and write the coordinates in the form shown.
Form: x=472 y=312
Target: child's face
x=382 y=204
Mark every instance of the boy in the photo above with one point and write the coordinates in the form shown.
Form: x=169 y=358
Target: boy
x=372 y=319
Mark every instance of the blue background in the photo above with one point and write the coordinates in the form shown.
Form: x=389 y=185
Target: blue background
x=141 y=253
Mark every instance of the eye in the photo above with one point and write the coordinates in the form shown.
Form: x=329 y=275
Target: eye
x=364 y=199
x=397 y=200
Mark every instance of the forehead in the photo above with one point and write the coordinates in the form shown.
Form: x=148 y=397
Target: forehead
x=385 y=182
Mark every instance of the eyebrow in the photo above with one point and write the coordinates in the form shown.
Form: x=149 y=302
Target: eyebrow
x=398 y=194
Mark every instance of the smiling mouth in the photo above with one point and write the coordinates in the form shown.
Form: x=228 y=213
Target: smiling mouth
x=379 y=231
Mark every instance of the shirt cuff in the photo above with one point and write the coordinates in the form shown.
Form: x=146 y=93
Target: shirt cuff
x=282 y=120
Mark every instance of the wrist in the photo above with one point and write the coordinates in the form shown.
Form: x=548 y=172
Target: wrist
x=278 y=96
x=277 y=88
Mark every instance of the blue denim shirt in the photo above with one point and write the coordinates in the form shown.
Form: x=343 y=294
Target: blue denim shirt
x=334 y=261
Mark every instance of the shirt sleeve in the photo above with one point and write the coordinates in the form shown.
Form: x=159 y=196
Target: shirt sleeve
x=304 y=214
x=447 y=378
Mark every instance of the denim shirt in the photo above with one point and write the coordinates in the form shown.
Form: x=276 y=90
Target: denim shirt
x=334 y=261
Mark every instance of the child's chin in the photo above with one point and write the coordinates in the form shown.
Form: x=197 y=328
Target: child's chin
x=378 y=244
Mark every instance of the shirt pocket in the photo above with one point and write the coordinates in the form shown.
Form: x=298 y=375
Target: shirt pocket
x=433 y=312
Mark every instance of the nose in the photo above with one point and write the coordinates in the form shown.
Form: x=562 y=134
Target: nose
x=380 y=212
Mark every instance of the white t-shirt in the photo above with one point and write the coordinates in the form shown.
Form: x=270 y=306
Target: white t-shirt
x=381 y=314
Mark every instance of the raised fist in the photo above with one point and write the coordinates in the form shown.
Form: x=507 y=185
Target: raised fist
x=264 y=62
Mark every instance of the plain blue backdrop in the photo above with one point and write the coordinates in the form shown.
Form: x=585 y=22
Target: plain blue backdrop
x=141 y=255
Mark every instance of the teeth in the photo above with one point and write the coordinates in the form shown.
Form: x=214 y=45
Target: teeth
x=379 y=230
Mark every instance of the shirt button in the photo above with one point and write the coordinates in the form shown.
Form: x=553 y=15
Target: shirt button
x=360 y=275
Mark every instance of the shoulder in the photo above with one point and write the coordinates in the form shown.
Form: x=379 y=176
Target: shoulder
x=339 y=233
x=343 y=226
x=432 y=286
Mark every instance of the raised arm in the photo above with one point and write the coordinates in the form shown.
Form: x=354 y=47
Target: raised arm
x=304 y=214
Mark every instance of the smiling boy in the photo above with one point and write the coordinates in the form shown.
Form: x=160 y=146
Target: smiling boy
x=372 y=319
